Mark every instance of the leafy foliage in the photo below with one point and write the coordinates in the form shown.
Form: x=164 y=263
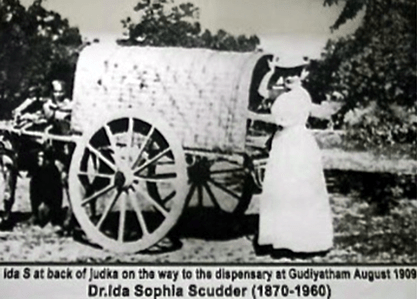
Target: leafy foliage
x=165 y=24
x=374 y=70
x=36 y=46
x=350 y=10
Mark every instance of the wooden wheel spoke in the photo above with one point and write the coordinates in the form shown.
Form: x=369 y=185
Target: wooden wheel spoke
x=157 y=205
x=143 y=146
x=153 y=160
x=169 y=162
x=158 y=178
x=168 y=197
x=200 y=195
x=96 y=174
x=139 y=215
x=224 y=171
x=98 y=194
x=224 y=189
x=107 y=210
x=112 y=142
x=212 y=196
x=190 y=194
x=130 y=131
x=101 y=157
x=110 y=136
x=122 y=218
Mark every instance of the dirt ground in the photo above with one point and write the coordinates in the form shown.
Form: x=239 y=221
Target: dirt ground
x=361 y=236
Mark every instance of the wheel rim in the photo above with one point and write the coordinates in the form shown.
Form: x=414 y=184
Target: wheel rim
x=109 y=174
x=8 y=179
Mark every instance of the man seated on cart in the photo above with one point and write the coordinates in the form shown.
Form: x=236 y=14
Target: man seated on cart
x=30 y=112
x=57 y=109
x=40 y=116
x=53 y=112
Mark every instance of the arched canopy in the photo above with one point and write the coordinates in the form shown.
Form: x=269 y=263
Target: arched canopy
x=202 y=94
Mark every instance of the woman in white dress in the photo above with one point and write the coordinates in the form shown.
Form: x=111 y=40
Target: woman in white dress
x=295 y=213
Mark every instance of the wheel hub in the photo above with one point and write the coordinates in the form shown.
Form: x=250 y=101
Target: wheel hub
x=124 y=179
x=199 y=172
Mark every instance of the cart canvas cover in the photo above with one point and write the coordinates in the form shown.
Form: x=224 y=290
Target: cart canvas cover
x=202 y=94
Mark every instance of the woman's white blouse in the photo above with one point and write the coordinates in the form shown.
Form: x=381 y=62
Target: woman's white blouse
x=292 y=108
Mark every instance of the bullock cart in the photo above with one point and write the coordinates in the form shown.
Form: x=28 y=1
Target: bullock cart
x=156 y=130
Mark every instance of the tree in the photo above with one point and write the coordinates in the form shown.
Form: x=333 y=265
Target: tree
x=163 y=23
x=36 y=46
x=374 y=70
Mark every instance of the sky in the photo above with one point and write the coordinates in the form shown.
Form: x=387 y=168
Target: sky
x=300 y=27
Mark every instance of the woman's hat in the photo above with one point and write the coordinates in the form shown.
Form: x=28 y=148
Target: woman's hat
x=290 y=61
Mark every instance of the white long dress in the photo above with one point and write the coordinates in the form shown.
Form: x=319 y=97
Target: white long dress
x=295 y=212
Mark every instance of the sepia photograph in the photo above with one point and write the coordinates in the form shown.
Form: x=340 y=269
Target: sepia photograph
x=208 y=131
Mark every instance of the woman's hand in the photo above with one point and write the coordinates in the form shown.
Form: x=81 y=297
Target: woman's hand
x=325 y=110
x=271 y=65
x=263 y=87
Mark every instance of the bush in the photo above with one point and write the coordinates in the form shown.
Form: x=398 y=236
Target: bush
x=374 y=70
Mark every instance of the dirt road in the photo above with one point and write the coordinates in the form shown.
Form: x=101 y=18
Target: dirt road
x=361 y=236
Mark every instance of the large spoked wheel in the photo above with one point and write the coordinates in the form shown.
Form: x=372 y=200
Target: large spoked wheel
x=110 y=174
x=8 y=179
x=227 y=186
